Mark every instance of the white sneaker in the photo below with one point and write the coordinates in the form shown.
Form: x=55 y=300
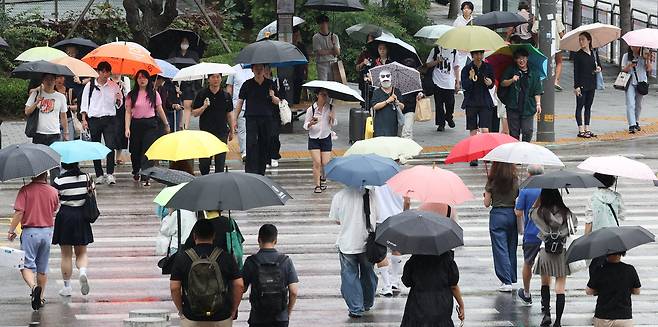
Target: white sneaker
x=505 y=288
x=66 y=291
x=84 y=284
x=100 y=180
x=274 y=163
x=110 y=180
x=386 y=292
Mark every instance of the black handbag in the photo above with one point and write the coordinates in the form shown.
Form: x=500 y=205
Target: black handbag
x=90 y=208
x=32 y=121
x=642 y=87
x=167 y=263
x=375 y=252
x=429 y=88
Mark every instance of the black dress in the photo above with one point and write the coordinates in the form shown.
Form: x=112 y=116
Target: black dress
x=430 y=302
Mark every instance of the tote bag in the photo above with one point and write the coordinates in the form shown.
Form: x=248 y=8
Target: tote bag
x=622 y=81
x=423 y=110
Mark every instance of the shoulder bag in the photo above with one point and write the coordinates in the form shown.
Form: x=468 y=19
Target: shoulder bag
x=167 y=263
x=90 y=208
x=375 y=252
x=642 y=87
x=32 y=120
x=577 y=265
x=622 y=81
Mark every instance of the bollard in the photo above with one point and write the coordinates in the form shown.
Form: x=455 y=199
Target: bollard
x=152 y=313
x=144 y=322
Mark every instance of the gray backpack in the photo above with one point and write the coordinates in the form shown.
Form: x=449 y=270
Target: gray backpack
x=206 y=291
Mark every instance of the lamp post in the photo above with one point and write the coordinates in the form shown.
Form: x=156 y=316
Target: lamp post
x=547 y=35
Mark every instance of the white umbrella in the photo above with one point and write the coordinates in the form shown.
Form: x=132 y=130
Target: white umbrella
x=602 y=34
x=433 y=32
x=270 y=29
x=618 y=166
x=523 y=153
x=404 y=78
x=202 y=70
x=336 y=90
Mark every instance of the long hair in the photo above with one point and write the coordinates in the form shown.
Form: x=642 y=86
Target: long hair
x=150 y=90
x=502 y=177
x=549 y=201
x=588 y=37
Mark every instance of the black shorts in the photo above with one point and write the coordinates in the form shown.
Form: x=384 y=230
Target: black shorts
x=478 y=117
x=324 y=145
x=530 y=251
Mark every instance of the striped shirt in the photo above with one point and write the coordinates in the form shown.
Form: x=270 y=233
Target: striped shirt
x=72 y=190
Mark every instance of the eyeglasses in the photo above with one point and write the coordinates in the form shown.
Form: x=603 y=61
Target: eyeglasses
x=385 y=76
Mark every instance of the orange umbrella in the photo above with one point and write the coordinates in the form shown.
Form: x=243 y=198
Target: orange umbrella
x=125 y=58
x=78 y=67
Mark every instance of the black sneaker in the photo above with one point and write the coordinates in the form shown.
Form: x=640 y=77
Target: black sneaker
x=473 y=163
x=354 y=315
x=440 y=128
x=36 y=298
x=631 y=129
x=526 y=300
x=637 y=127
x=451 y=123
x=546 y=320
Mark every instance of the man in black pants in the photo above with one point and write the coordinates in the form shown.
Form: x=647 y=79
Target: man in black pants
x=215 y=109
x=259 y=93
x=445 y=77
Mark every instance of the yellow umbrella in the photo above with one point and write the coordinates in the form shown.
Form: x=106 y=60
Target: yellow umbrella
x=393 y=147
x=185 y=145
x=78 y=67
x=471 y=38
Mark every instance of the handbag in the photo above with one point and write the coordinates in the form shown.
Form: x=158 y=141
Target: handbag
x=600 y=83
x=375 y=252
x=398 y=111
x=32 y=120
x=642 y=87
x=285 y=112
x=423 y=110
x=90 y=207
x=167 y=263
x=577 y=265
x=622 y=81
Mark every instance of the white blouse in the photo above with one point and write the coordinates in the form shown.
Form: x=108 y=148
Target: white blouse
x=322 y=129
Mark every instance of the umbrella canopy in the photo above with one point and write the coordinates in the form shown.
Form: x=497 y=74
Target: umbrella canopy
x=430 y=184
x=186 y=145
x=229 y=191
x=561 y=179
x=41 y=53
x=471 y=38
x=168 y=70
x=361 y=170
x=202 y=70
x=477 y=146
x=398 y=50
x=335 y=5
x=393 y=147
x=36 y=69
x=608 y=240
x=336 y=90
x=420 y=232
x=181 y=62
x=499 y=19
x=360 y=32
x=503 y=58
x=523 y=153
x=433 y=32
x=163 y=44
x=405 y=79
x=84 y=46
x=125 y=58
x=275 y=53
x=618 y=166
x=271 y=28
x=26 y=160
x=78 y=67
x=3 y=43
x=166 y=194
x=602 y=34
x=166 y=176
x=646 y=37
x=79 y=150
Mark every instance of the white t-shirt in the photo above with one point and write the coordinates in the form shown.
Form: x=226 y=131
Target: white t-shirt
x=241 y=75
x=388 y=202
x=49 y=109
x=444 y=73
x=347 y=209
x=325 y=42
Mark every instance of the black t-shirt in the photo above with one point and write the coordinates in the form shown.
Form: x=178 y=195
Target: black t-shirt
x=258 y=97
x=614 y=282
x=222 y=225
x=386 y=119
x=213 y=119
x=228 y=268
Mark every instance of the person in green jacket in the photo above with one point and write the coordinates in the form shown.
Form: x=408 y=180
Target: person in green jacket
x=521 y=91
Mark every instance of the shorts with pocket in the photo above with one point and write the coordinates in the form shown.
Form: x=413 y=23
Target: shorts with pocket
x=478 y=117
x=530 y=251
x=36 y=244
x=324 y=145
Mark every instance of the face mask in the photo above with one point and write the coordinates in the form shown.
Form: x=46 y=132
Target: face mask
x=386 y=84
x=184 y=46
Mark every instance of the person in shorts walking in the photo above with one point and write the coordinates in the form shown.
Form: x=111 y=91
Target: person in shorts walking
x=320 y=117
x=477 y=78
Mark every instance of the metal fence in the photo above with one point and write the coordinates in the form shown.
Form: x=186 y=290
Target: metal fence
x=51 y=9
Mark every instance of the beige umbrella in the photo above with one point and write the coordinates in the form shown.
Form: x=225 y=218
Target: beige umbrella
x=602 y=34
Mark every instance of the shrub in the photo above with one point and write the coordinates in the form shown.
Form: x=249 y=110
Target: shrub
x=13 y=95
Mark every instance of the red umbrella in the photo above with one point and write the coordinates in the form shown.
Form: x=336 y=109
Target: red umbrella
x=477 y=146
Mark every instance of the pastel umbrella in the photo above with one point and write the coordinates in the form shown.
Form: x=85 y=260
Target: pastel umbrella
x=618 y=166
x=471 y=38
x=393 y=147
x=361 y=170
x=502 y=59
x=523 y=153
x=166 y=194
x=41 y=53
x=432 y=32
x=646 y=37
x=477 y=146
x=608 y=240
x=79 y=150
x=336 y=90
x=186 y=145
x=124 y=57
x=430 y=184
x=78 y=67
x=202 y=70
x=602 y=34
x=271 y=29
x=168 y=70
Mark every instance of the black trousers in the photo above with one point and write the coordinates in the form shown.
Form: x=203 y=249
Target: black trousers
x=259 y=136
x=120 y=141
x=495 y=121
x=585 y=100
x=220 y=160
x=444 y=105
x=271 y=324
x=143 y=132
x=520 y=128
x=275 y=142
x=106 y=128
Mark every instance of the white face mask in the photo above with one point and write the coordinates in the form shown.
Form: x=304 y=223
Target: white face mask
x=184 y=46
x=386 y=84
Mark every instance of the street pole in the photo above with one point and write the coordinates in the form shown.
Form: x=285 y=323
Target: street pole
x=284 y=12
x=547 y=35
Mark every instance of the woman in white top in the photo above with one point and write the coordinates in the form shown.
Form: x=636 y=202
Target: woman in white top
x=636 y=62
x=320 y=117
x=464 y=19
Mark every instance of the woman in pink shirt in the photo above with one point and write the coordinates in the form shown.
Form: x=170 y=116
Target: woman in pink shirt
x=320 y=117
x=142 y=105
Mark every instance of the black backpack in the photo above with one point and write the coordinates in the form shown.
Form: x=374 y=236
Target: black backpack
x=269 y=294
x=554 y=243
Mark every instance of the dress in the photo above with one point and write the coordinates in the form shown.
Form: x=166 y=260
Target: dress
x=430 y=301
x=550 y=264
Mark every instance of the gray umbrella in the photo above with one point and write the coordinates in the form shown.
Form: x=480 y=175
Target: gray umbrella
x=26 y=160
x=420 y=232
x=499 y=19
x=229 y=191
x=360 y=32
x=274 y=53
x=3 y=43
x=36 y=69
x=608 y=240
x=169 y=177
x=562 y=179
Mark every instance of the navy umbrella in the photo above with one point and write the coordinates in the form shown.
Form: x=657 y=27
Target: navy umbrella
x=335 y=5
x=274 y=53
x=361 y=170
x=84 y=46
x=36 y=69
x=26 y=160
x=562 y=179
x=608 y=240
x=166 y=176
x=499 y=19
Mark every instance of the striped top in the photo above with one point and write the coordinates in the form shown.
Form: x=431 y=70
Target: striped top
x=72 y=189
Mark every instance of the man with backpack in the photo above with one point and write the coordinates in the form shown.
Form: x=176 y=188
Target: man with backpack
x=206 y=285
x=273 y=281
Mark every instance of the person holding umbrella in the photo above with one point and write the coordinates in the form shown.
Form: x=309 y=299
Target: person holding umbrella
x=585 y=68
x=51 y=106
x=464 y=19
x=386 y=103
x=320 y=117
x=326 y=46
x=477 y=79
x=636 y=62
x=188 y=88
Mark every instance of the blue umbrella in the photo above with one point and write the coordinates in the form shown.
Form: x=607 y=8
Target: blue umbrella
x=361 y=170
x=78 y=150
x=168 y=70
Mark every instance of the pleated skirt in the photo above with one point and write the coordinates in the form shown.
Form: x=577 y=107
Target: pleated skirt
x=554 y=265
x=72 y=227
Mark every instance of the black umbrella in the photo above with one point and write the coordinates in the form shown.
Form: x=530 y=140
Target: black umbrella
x=420 y=232
x=168 y=177
x=181 y=62
x=36 y=69
x=398 y=50
x=274 y=53
x=26 y=160
x=3 y=43
x=562 y=179
x=335 y=5
x=229 y=191
x=164 y=43
x=608 y=240
x=499 y=19
x=84 y=46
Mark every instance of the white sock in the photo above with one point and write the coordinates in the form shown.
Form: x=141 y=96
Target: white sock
x=83 y=271
x=396 y=268
x=67 y=283
x=385 y=273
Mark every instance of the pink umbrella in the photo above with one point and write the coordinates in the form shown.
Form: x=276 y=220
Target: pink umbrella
x=430 y=184
x=618 y=166
x=646 y=37
x=440 y=209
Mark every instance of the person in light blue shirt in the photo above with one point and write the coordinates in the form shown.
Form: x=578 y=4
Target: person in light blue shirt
x=636 y=62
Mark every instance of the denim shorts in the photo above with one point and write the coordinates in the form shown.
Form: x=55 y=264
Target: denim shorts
x=324 y=145
x=36 y=244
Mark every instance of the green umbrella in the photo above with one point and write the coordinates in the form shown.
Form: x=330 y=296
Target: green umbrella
x=471 y=38
x=41 y=53
x=433 y=32
x=166 y=194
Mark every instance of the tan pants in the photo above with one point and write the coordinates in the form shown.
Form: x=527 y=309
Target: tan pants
x=224 y=323
x=613 y=323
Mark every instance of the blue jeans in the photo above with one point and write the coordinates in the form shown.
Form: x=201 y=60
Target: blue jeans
x=176 y=117
x=633 y=105
x=358 y=282
x=504 y=240
x=36 y=244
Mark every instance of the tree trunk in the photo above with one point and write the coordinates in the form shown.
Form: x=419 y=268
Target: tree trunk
x=577 y=14
x=625 y=23
x=147 y=17
x=454 y=9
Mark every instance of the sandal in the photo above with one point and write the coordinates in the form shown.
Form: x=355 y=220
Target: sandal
x=147 y=184
x=318 y=189
x=590 y=134
x=583 y=135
